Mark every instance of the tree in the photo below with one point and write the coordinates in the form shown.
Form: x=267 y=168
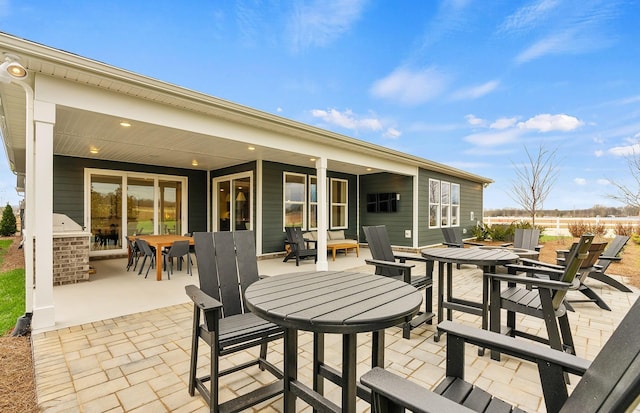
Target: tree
x=8 y=222
x=534 y=180
x=629 y=196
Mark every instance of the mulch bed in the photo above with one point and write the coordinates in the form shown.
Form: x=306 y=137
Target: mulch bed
x=17 y=385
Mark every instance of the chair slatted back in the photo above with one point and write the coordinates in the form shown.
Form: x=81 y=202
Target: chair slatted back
x=526 y=238
x=380 y=247
x=573 y=262
x=225 y=253
x=246 y=256
x=206 y=259
x=614 y=248
x=612 y=382
x=452 y=236
x=295 y=238
x=178 y=249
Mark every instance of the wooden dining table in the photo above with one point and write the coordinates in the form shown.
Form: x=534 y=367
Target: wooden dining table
x=159 y=242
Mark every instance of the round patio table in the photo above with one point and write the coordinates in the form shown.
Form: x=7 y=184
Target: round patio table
x=485 y=258
x=520 y=252
x=340 y=302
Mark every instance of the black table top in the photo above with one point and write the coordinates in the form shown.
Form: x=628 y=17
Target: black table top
x=340 y=302
x=476 y=256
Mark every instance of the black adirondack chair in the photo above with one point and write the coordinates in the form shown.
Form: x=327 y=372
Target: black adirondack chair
x=453 y=238
x=385 y=261
x=611 y=254
x=527 y=239
x=541 y=298
x=298 y=246
x=227 y=265
x=587 y=266
x=611 y=383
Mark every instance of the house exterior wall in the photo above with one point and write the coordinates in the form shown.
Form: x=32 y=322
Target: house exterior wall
x=273 y=235
x=396 y=222
x=68 y=187
x=470 y=201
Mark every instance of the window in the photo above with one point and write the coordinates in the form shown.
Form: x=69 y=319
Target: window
x=444 y=204
x=339 y=203
x=434 y=203
x=313 y=202
x=295 y=189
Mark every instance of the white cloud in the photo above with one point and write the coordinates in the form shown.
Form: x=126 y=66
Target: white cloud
x=503 y=123
x=319 y=22
x=603 y=182
x=529 y=16
x=580 y=181
x=625 y=150
x=473 y=120
x=475 y=92
x=347 y=119
x=493 y=138
x=392 y=133
x=410 y=87
x=547 y=123
x=598 y=153
x=278 y=109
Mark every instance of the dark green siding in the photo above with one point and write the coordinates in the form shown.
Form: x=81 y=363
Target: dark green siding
x=470 y=201
x=68 y=187
x=396 y=222
x=272 y=202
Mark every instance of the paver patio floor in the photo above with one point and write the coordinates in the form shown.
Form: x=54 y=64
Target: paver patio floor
x=139 y=362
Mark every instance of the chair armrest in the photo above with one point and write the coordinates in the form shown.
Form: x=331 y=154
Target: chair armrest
x=405 y=268
x=535 y=263
x=408 y=394
x=404 y=393
x=452 y=245
x=409 y=257
x=531 y=281
x=508 y=244
x=521 y=349
x=475 y=244
x=204 y=301
x=604 y=257
x=532 y=271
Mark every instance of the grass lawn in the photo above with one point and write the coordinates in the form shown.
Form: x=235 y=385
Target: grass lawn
x=12 y=293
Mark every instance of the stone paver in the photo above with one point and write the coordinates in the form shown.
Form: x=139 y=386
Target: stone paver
x=140 y=362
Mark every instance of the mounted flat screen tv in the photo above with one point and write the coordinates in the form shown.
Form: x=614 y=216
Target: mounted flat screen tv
x=382 y=202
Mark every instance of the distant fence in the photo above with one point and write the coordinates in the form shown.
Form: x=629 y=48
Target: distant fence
x=559 y=226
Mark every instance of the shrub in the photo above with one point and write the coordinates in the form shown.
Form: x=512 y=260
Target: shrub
x=480 y=232
x=577 y=229
x=625 y=229
x=502 y=232
x=8 y=222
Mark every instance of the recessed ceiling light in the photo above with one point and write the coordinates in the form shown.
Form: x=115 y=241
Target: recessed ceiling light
x=94 y=150
x=125 y=124
x=369 y=169
x=194 y=163
x=251 y=148
x=312 y=159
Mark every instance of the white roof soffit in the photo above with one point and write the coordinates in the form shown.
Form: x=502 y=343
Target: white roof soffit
x=57 y=63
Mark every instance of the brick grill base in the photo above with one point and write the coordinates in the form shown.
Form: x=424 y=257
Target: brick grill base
x=70 y=259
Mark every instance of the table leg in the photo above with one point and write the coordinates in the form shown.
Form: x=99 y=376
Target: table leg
x=159 y=263
x=436 y=336
x=290 y=367
x=449 y=289
x=348 y=373
x=318 y=360
x=377 y=349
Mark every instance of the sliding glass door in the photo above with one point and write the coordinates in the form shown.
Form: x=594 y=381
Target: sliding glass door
x=122 y=204
x=233 y=204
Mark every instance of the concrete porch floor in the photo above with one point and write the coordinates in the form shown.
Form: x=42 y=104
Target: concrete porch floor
x=121 y=344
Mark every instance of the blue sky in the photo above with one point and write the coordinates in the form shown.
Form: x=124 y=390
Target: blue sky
x=467 y=83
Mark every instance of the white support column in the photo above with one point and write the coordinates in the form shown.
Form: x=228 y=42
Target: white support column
x=42 y=226
x=257 y=226
x=321 y=167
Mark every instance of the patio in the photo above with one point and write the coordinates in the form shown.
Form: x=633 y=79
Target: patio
x=121 y=346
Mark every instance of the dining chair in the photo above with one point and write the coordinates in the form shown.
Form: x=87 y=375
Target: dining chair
x=178 y=250
x=134 y=254
x=147 y=252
